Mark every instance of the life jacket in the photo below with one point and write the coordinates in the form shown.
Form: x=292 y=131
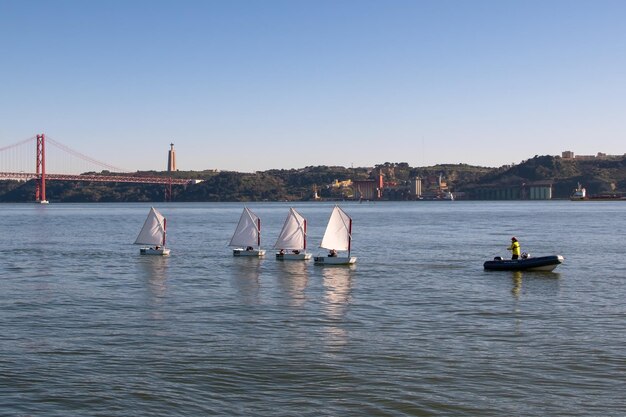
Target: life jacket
x=515 y=248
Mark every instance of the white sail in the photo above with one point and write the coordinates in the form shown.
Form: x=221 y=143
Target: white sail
x=153 y=230
x=248 y=232
x=293 y=234
x=337 y=235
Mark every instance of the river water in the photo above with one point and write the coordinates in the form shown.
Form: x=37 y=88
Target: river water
x=88 y=327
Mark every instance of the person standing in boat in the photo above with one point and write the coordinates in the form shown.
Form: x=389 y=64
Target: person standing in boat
x=514 y=248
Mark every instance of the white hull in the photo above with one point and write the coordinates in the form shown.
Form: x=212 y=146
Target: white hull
x=293 y=257
x=335 y=260
x=255 y=252
x=152 y=251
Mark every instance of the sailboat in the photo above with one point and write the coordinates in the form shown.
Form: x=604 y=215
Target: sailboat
x=338 y=237
x=292 y=238
x=247 y=235
x=153 y=233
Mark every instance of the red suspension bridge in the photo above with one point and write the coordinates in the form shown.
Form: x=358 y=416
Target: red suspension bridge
x=16 y=160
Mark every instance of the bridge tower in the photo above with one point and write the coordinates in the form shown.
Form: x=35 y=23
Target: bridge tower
x=40 y=170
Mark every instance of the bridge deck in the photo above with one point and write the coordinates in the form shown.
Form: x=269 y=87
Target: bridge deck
x=25 y=176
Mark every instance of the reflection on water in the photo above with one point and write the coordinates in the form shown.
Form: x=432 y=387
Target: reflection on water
x=246 y=272
x=154 y=270
x=539 y=282
x=517 y=283
x=337 y=283
x=293 y=278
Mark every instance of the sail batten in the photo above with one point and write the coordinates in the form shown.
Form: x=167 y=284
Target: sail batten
x=338 y=231
x=293 y=234
x=153 y=230
x=248 y=231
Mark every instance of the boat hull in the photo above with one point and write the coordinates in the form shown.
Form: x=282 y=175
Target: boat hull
x=156 y=252
x=334 y=260
x=599 y=198
x=254 y=252
x=293 y=256
x=541 y=263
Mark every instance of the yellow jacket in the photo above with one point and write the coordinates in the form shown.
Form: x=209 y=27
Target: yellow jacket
x=515 y=248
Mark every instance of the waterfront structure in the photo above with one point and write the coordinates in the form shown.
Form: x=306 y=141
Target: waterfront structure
x=171 y=159
x=315 y=194
x=540 y=192
x=534 y=191
x=366 y=190
x=415 y=190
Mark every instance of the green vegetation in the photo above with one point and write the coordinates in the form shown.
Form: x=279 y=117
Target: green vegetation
x=599 y=176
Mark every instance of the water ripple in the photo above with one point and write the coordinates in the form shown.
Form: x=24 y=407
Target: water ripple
x=416 y=328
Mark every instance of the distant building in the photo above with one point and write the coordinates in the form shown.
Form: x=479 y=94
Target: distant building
x=599 y=155
x=366 y=190
x=171 y=159
x=415 y=189
x=341 y=184
x=534 y=191
x=540 y=192
x=496 y=193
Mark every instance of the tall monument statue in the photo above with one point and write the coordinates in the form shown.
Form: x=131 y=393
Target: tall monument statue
x=171 y=159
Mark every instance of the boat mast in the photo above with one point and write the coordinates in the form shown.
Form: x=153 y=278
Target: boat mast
x=164 y=227
x=349 y=237
x=304 y=248
x=258 y=235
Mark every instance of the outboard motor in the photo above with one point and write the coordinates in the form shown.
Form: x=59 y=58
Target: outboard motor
x=497 y=258
x=525 y=255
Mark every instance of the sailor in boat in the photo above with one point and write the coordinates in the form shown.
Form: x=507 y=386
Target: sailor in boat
x=296 y=252
x=514 y=248
x=332 y=253
x=249 y=248
x=281 y=252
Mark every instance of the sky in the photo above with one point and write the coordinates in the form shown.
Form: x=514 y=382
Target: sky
x=249 y=85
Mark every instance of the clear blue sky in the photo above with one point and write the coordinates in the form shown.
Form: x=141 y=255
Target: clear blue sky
x=254 y=85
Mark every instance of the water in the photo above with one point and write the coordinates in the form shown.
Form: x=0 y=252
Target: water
x=417 y=328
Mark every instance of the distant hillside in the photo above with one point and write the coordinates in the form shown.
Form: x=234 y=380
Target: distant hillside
x=599 y=176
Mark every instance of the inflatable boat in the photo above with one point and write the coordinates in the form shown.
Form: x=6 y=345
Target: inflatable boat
x=541 y=263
